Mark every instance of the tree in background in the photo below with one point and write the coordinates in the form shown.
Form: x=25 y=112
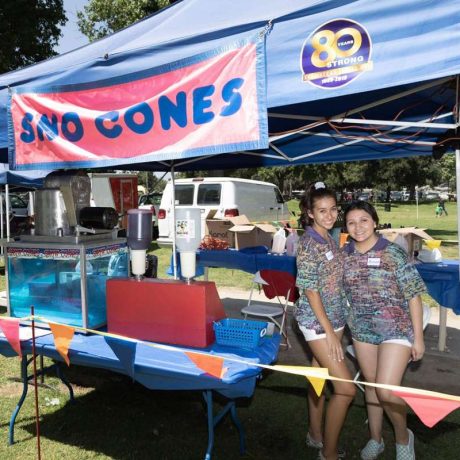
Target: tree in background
x=382 y=175
x=151 y=182
x=100 y=18
x=447 y=167
x=29 y=31
x=406 y=172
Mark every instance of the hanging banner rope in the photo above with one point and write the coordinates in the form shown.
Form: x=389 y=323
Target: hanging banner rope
x=429 y=406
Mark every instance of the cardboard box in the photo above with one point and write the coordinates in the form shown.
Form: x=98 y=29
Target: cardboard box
x=220 y=229
x=409 y=238
x=248 y=234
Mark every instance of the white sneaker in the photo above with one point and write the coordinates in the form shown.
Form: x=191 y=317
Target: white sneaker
x=406 y=451
x=372 y=449
x=340 y=454
x=310 y=442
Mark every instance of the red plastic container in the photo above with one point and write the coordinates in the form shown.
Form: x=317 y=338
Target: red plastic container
x=167 y=311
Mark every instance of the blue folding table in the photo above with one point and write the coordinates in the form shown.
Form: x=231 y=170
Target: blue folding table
x=442 y=282
x=166 y=368
x=441 y=279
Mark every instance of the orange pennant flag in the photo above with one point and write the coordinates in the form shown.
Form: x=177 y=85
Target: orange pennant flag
x=62 y=337
x=429 y=409
x=11 y=330
x=212 y=365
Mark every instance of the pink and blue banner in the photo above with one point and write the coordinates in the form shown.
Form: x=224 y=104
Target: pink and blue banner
x=208 y=104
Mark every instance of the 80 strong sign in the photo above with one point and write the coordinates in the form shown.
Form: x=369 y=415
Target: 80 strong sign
x=335 y=54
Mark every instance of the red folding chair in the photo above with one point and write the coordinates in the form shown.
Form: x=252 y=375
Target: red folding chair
x=277 y=284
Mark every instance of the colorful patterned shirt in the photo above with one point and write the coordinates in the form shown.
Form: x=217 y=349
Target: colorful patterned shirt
x=379 y=285
x=320 y=268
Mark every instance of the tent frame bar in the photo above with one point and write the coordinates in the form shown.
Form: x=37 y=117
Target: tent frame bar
x=342 y=118
x=351 y=142
x=364 y=138
x=368 y=106
x=365 y=121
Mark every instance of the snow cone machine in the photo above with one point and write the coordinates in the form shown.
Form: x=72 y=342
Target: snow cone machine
x=170 y=311
x=62 y=266
x=75 y=270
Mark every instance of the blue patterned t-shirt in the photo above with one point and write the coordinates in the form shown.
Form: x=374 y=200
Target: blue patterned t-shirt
x=320 y=268
x=379 y=285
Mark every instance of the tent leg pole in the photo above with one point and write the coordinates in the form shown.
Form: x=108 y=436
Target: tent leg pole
x=7 y=211
x=173 y=217
x=2 y=233
x=442 y=310
x=457 y=174
x=442 y=328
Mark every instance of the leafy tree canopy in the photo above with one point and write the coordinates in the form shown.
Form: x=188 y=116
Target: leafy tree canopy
x=151 y=182
x=100 y=18
x=29 y=31
x=378 y=174
x=447 y=169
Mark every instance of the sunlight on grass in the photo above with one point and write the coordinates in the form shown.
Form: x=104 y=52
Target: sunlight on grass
x=115 y=418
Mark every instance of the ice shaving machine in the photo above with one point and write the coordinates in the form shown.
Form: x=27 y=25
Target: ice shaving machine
x=178 y=312
x=62 y=266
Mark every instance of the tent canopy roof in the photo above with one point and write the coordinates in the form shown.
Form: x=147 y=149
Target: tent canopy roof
x=412 y=47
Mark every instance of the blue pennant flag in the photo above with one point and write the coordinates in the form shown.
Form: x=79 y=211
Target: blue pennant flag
x=125 y=351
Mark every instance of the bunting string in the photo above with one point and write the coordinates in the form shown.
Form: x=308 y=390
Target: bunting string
x=429 y=406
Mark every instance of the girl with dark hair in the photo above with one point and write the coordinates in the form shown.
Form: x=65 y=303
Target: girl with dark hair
x=321 y=315
x=385 y=321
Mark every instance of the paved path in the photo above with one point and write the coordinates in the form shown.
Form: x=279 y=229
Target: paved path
x=438 y=371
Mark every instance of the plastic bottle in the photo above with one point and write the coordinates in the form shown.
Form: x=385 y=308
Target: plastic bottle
x=291 y=243
x=279 y=242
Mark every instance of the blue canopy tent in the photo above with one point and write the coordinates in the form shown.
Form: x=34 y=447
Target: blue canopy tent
x=19 y=180
x=334 y=80
x=345 y=80
x=26 y=179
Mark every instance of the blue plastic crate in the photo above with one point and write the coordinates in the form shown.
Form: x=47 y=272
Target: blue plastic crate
x=239 y=332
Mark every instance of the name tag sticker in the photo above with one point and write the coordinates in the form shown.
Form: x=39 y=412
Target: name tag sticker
x=373 y=262
x=329 y=255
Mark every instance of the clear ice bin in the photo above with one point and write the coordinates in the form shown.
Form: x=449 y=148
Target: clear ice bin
x=64 y=283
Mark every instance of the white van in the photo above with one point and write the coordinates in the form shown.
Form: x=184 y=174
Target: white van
x=228 y=196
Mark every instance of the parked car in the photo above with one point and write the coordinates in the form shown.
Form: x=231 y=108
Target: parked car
x=431 y=196
x=444 y=195
x=380 y=195
x=18 y=205
x=224 y=197
x=151 y=201
x=364 y=196
x=18 y=213
x=396 y=195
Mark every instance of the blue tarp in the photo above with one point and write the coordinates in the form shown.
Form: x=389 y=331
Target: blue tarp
x=30 y=179
x=407 y=63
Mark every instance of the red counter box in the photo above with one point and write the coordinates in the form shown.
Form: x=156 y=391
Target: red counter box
x=168 y=311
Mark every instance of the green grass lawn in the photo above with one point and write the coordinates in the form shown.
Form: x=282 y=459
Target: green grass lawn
x=115 y=418
x=405 y=215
